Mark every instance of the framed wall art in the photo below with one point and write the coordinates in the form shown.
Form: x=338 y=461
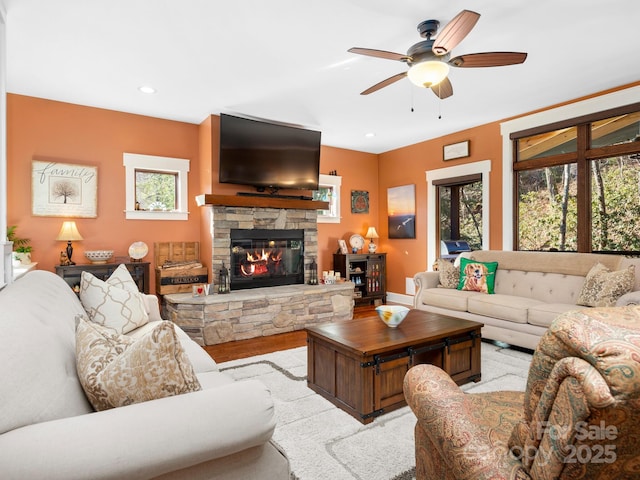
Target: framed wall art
x=64 y=189
x=456 y=150
x=359 y=201
x=401 y=211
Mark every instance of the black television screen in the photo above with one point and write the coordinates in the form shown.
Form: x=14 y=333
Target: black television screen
x=268 y=156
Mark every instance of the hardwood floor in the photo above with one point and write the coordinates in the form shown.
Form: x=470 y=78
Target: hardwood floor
x=225 y=352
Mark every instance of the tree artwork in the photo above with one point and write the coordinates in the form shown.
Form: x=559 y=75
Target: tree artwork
x=65 y=190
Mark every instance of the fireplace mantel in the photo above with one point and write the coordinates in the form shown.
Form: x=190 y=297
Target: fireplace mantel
x=264 y=202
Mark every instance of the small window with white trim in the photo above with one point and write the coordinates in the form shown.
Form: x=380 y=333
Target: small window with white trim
x=156 y=187
x=329 y=191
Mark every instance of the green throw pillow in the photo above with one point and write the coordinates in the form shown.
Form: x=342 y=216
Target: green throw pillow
x=477 y=276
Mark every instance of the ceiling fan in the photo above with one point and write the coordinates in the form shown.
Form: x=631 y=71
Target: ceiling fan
x=429 y=60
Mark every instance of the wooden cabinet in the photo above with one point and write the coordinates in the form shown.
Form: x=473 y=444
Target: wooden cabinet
x=368 y=273
x=73 y=273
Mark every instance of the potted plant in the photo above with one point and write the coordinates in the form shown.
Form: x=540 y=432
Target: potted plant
x=21 y=247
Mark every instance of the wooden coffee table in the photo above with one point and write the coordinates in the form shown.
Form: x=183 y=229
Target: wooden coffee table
x=359 y=365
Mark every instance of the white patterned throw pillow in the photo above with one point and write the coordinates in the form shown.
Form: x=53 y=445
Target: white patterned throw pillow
x=115 y=303
x=603 y=287
x=115 y=370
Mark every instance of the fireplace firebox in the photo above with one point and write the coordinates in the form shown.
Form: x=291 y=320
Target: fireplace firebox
x=266 y=258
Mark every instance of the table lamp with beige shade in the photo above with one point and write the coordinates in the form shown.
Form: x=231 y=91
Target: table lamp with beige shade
x=69 y=233
x=371 y=234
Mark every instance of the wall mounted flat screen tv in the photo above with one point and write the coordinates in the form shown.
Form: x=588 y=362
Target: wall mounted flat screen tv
x=268 y=156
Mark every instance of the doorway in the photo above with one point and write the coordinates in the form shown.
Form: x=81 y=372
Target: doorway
x=460 y=210
x=483 y=169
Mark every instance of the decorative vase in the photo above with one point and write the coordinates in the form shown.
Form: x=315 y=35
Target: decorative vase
x=372 y=247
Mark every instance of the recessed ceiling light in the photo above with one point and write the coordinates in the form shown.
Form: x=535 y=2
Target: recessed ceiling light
x=147 y=89
x=370 y=135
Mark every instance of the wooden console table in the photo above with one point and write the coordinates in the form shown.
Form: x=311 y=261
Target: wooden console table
x=73 y=273
x=359 y=365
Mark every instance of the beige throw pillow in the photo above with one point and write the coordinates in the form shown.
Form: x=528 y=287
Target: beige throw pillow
x=449 y=274
x=602 y=287
x=115 y=303
x=115 y=370
x=121 y=278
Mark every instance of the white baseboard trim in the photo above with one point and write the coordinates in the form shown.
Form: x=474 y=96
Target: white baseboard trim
x=400 y=298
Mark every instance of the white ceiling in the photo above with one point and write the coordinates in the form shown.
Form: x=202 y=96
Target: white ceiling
x=287 y=60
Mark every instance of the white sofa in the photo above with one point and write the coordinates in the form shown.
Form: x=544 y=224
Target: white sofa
x=49 y=430
x=531 y=290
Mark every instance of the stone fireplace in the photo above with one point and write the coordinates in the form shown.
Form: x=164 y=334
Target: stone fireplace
x=285 y=229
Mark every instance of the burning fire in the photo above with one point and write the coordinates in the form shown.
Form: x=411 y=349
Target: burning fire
x=260 y=263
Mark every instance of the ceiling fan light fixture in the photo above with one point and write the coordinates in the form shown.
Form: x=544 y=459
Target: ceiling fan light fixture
x=429 y=73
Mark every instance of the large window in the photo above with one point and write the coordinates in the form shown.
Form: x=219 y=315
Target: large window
x=578 y=184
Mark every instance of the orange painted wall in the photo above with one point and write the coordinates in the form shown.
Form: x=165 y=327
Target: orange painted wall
x=208 y=142
x=409 y=165
x=44 y=129
x=359 y=171
x=38 y=128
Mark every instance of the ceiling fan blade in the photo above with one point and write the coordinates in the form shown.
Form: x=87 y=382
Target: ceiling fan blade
x=443 y=89
x=379 y=54
x=384 y=83
x=488 y=59
x=454 y=32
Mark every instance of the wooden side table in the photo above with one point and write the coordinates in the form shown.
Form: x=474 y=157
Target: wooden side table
x=23 y=269
x=73 y=273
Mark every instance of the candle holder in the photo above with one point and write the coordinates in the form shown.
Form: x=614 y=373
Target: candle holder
x=223 y=282
x=313 y=273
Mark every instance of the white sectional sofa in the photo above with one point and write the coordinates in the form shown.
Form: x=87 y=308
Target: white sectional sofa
x=48 y=429
x=531 y=290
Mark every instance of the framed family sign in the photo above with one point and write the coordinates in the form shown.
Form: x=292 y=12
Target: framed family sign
x=64 y=189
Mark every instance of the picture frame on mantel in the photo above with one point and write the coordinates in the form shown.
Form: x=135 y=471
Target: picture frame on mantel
x=455 y=150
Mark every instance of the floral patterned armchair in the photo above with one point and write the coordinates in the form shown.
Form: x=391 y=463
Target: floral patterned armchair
x=579 y=417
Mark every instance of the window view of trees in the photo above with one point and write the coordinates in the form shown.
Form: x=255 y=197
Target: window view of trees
x=578 y=188
x=156 y=191
x=547 y=213
x=461 y=213
x=615 y=204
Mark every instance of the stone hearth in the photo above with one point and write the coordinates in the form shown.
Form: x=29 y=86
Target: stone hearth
x=257 y=312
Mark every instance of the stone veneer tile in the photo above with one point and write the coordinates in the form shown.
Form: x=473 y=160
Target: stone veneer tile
x=247 y=314
x=217 y=319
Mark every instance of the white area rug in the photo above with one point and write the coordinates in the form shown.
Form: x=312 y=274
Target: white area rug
x=323 y=442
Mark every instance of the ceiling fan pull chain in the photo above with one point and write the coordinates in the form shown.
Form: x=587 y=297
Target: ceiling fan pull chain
x=412 y=98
